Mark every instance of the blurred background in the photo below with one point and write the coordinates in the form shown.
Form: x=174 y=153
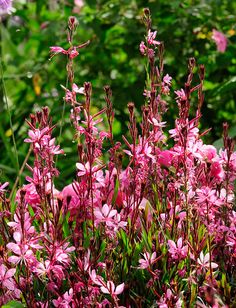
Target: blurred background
x=29 y=80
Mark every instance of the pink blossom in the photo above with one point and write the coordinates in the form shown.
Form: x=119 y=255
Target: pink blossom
x=151 y=38
x=165 y=158
x=72 y=52
x=142 y=48
x=148 y=260
x=5 y=7
x=96 y=279
x=208 y=151
x=17 y=224
x=220 y=40
x=177 y=251
x=6 y=277
x=70 y=193
x=78 y=5
x=180 y=95
x=167 y=79
x=151 y=53
x=61 y=253
x=204 y=261
x=3 y=186
x=147 y=93
x=217 y=171
x=156 y=123
x=111 y=289
x=206 y=194
x=76 y=89
x=48 y=268
x=90 y=122
x=105 y=214
x=22 y=253
x=65 y=301
x=169 y=299
x=31 y=195
x=37 y=135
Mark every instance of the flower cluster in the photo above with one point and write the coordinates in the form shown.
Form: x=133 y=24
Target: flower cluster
x=148 y=223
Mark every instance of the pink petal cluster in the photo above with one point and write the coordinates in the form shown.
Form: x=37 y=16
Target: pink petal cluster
x=178 y=251
x=147 y=261
x=220 y=40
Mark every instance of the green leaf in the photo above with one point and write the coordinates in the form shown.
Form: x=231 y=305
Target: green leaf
x=126 y=243
x=65 y=226
x=115 y=192
x=226 y=87
x=13 y=304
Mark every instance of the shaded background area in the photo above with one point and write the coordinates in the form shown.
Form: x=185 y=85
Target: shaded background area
x=115 y=30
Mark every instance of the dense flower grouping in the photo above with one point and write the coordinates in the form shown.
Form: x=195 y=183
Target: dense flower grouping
x=152 y=225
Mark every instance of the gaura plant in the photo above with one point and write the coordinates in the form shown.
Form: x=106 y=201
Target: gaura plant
x=152 y=225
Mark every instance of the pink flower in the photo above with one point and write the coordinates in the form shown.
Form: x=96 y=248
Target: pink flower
x=57 y=49
x=105 y=214
x=62 y=253
x=71 y=52
x=156 y=123
x=142 y=48
x=78 y=5
x=208 y=151
x=111 y=289
x=180 y=95
x=6 y=277
x=5 y=7
x=167 y=79
x=206 y=194
x=37 y=135
x=217 y=171
x=2 y=187
x=22 y=253
x=65 y=301
x=177 y=251
x=91 y=123
x=147 y=261
x=204 y=261
x=69 y=192
x=151 y=38
x=98 y=280
x=220 y=40
x=48 y=268
x=165 y=158
x=147 y=93
x=76 y=89
x=17 y=224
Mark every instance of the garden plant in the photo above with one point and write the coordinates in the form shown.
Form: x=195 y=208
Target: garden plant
x=147 y=223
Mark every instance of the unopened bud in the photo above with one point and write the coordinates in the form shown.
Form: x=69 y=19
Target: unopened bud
x=131 y=107
x=39 y=116
x=87 y=88
x=72 y=23
x=33 y=120
x=191 y=63
x=146 y=12
x=202 y=71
